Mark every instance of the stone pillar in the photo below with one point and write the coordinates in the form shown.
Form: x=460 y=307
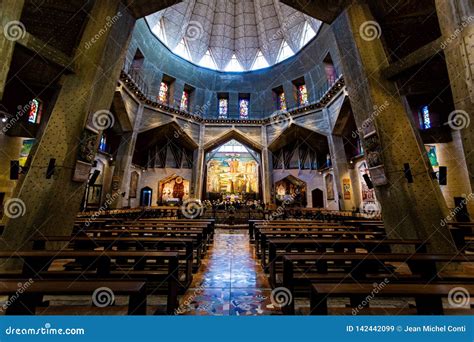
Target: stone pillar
x=233 y=106
x=456 y=19
x=178 y=89
x=10 y=148
x=414 y=210
x=50 y=205
x=198 y=168
x=124 y=159
x=10 y=13
x=290 y=94
x=266 y=169
x=341 y=170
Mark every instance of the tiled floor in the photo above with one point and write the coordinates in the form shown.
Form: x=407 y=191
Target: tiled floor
x=230 y=281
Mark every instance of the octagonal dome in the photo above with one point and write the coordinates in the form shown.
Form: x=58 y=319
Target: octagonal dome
x=233 y=35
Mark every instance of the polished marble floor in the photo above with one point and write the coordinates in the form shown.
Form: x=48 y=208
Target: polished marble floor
x=230 y=281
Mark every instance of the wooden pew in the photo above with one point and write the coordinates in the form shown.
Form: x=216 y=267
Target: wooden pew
x=261 y=235
x=194 y=233
x=370 y=245
x=299 y=270
x=36 y=265
x=428 y=297
x=32 y=295
x=266 y=223
x=125 y=243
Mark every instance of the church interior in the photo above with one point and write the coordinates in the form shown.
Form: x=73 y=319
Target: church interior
x=236 y=158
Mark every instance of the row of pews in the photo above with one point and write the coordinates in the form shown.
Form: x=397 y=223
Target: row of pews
x=135 y=258
x=324 y=261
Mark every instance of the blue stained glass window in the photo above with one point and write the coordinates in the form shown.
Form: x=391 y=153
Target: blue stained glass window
x=425 y=111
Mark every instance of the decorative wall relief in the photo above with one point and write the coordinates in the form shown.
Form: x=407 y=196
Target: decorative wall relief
x=330 y=187
x=133 y=184
x=373 y=152
x=85 y=155
x=346 y=187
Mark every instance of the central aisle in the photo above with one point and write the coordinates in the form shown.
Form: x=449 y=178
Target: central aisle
x=230 y=281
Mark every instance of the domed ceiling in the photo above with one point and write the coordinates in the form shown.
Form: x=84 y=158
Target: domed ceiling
x=233 y=35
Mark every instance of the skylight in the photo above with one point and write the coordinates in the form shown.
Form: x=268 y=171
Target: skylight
x=285 y=52
x=182 y=50
x=308 y=34
x=234 y=65
x=232 y=146
x=260 y=62
x=159 y=31
x=208 y=62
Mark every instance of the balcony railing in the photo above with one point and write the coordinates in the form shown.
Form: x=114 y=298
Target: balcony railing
x=136 y=81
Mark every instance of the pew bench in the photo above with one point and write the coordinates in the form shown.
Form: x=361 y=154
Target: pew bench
x=37 y=264
x=428 y=298
x=32 y=294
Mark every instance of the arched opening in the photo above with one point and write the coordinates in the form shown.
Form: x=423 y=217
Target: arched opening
x=318 y=198
x=146 y=195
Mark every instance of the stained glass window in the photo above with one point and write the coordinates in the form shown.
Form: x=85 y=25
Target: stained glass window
x=164 y=92
x=244 y=108
x=425 y=111
x=103 y=143
x=34 y=115
x=282 y=101
x=302 y=95
x=223 y=106
x=185 y=101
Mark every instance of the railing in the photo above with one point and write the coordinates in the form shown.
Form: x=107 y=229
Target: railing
x=138 y=80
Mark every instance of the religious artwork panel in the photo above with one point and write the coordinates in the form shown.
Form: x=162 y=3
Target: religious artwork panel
x=232 y=171
x=173 y=190
x=330 y=187
x=291 y=191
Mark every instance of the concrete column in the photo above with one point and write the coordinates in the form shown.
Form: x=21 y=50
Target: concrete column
x=414 y=210
x=198 y=169
x=178 y=89
x=267 y=173
x=290 y=94
x=233 y=110
x=341 y=170
x=10 y=12
x=456 y=19
x=124 y=159
x=50 y=205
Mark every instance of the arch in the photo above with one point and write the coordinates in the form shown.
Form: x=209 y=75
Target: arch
x=233 y=134
x=317 y=198
x=146 y=196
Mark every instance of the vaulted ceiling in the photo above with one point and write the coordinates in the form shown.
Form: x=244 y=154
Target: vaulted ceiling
x=240 y=28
